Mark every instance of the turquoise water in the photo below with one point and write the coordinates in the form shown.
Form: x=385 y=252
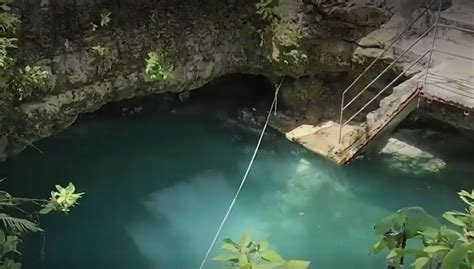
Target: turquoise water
x=157 y=187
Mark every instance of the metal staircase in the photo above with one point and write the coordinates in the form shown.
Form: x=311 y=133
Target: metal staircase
x=425 y=84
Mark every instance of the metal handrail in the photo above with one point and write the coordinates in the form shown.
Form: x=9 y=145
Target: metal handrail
x=369 y=67
x=390 y=66
x=388 y=86
x=436 y=25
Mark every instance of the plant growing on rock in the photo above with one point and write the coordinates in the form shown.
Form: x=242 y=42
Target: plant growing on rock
x=101 y=56
x=16 y=80
x=105 y=19
x=16 y=221
x=444 y=247
x=156 y=69
x=268 y=12
x=252 y=255
x=31 y=79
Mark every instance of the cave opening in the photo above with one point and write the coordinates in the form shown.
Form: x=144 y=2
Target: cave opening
x=230 y=95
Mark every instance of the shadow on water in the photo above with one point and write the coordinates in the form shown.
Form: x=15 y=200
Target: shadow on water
x=157 y=187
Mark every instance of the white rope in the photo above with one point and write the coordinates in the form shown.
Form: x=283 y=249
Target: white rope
x=231 y=206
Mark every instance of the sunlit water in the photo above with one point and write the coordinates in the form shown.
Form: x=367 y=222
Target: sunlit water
x=157 y=187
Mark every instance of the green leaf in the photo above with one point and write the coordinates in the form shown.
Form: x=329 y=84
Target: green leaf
x=21 y=225
x=243 y=260
x=70 y=188
x=455 y=257
x=271 y=256
x=420 y=263
x=2 y=237
x=244 y=243
x=451 y=218
x=377 y=247
x=226 y=258
x=230 y=247
x=47 y=209
x=434 y=249
x=296 y=264
x=384 y=225
x=262 y=245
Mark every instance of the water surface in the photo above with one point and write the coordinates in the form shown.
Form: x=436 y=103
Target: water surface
x=157 y=187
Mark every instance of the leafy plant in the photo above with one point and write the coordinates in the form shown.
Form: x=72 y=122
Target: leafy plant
x=14 y=227
x=101 y=58
x=5 y=45
x=444 y=247
x=252 y=255
x=62 y=200
x=156 y=69
x=105 y=19
x=30 y=79
x=267 y=11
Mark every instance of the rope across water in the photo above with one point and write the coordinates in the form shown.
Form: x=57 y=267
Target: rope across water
x=231 y=206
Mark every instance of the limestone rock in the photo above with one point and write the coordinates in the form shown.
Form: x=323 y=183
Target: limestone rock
x=407 y=156
x=201 y=41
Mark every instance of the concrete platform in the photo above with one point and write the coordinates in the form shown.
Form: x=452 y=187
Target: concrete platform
x=450 y=79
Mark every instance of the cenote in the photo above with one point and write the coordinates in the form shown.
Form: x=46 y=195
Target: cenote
x=158 y=184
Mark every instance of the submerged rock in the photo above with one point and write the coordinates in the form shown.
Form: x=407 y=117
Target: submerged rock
x=406 y=153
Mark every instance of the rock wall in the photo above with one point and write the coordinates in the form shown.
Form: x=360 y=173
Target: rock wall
x=200 y=40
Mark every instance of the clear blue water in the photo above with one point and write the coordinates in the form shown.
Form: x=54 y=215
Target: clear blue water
x=157 y=187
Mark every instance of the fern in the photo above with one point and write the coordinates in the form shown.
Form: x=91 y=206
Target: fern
x=21 y=225
x=8 y=22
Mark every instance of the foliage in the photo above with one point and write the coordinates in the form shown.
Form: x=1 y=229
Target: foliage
x=101 y=56
x=62 y=200
x=280 y=36
x=156 y=69
x=14 y=227
x=6 y=44
x=444 y=247
x=267 y=11
x=105 y=19
x=252 y=255
x=16 y=80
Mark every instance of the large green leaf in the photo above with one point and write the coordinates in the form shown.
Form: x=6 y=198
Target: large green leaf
x=418 y=220
x=436 y=248
x=400 y=252
x=384 y=225
x=412 y=220
x=453 y=219
x=455 y=256
x=421 y=262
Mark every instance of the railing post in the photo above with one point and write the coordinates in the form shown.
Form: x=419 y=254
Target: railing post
x=341 y=117
x=435 y=34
